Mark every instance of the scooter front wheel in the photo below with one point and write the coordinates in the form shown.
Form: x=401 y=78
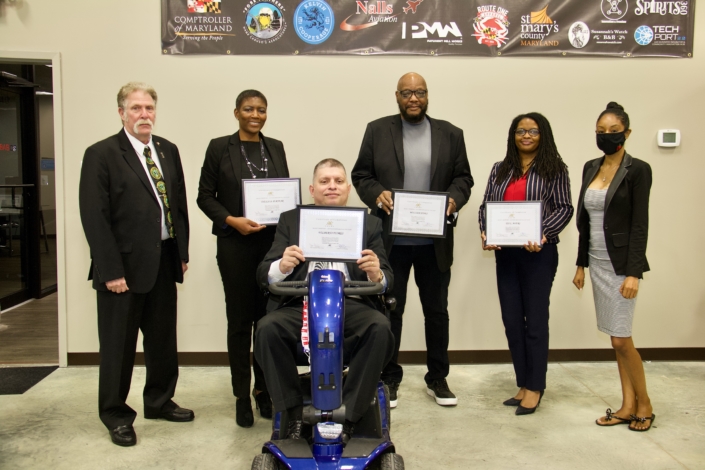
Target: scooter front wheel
x=270 y=462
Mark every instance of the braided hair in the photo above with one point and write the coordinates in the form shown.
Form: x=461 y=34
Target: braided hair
x=548 y=162
x=618 y=111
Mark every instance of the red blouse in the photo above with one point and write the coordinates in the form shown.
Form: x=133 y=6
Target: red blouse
x=516 y=190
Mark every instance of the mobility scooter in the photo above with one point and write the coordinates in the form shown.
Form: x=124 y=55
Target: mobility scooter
x=370 y=447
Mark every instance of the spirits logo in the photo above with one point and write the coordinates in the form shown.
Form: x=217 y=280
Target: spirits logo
x=491 y=25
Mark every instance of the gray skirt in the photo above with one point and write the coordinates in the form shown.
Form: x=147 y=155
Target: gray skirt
x=614 y=313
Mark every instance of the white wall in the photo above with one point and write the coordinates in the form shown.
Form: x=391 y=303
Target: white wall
x=319 y=107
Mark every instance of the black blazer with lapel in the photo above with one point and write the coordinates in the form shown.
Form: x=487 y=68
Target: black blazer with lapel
x=288 y=234
x=626 y=221
x=220 y=187
x=380 y=167
x=121 y=216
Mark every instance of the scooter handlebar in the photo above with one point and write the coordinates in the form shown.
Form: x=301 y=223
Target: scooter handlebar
x=299 y=288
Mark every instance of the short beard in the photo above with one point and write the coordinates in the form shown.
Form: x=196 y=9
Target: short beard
x=413 y=119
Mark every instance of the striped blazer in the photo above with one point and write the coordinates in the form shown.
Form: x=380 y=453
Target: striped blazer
x=555 y=194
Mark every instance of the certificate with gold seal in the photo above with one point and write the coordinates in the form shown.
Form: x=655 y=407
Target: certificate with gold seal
x=263 y=200
x=513 y=223
x=419 y=214
x=332 y=233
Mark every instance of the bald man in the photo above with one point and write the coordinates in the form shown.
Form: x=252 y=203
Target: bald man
x=412 y=151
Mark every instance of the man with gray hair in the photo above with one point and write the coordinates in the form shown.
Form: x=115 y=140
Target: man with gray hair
x=132 y=199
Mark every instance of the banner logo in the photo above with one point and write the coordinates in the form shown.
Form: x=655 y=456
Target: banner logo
x=662 y=35
x=644 y=7
x=643 y=35
x=536 y=28
x=491 y=25
x=412 y=5
x=313 y=20
x=203 y=6
x=377 y=12
x=614 y=10
x=579 y=35
x=264 y=22
x=422 y=30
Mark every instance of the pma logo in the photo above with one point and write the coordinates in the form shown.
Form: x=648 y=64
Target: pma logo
x=203 y=6
x=313 y=20
x=422 y=30
x=643 y=35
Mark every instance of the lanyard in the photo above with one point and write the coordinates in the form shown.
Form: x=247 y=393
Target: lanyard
x=304 y=330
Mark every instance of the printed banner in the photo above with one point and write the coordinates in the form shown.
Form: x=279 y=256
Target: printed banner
x=619 y=28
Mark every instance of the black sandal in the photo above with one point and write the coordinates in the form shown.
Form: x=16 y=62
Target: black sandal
x=610 y=416
x=642 y=420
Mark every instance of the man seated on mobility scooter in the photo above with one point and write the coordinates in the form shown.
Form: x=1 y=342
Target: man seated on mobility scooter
x=368 y=341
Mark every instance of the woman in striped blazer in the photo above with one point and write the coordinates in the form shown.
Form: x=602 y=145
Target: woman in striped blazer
x=532 y=170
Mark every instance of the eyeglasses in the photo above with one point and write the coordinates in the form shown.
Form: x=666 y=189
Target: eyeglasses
x=531 y=132
x=406 y=94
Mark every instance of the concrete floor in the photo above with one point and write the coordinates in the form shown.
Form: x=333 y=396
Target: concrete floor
x=55 y=424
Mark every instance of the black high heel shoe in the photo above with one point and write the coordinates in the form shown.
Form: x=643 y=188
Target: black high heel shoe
x=263 y=402
x=512 y=402
x=521 y=410
x=243 y=413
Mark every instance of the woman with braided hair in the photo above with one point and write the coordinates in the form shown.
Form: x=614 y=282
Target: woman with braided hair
x=532 y=170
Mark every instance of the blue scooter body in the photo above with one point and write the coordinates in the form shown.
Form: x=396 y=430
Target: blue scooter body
x=326 y=317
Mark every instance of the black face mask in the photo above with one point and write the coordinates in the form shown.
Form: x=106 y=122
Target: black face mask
x=611 y=143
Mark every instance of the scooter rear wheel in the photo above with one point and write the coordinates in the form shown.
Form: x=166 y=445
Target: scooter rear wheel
x=389 y=461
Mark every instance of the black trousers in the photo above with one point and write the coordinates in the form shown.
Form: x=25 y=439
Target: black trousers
x=433 y=292
x=524 y=282
x=245 y=303
x=120 y=317
x=367 y=347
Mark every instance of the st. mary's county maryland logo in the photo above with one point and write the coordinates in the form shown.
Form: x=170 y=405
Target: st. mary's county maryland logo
x=579 y=35
x=264 y=21
x=491 y=25
x=313 y=21
x=203 y=6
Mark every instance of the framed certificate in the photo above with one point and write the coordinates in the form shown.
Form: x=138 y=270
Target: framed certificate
x=332 y=233
x=419 y=214
x=263 y=200
x=513 y=223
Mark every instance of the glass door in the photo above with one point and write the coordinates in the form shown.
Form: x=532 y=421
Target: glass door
x=14 y=286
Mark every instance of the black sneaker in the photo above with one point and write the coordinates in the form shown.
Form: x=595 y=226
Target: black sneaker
x=393 y=390
x=439 y=390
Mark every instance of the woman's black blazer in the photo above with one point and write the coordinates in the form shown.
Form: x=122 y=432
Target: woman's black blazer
x=626 y=221
x=220 y=187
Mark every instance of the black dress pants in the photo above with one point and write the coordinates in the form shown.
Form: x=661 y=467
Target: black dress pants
x=367 y=347
x=120 y=317
x=524 y=282
x=245 y=303
x=433 y=292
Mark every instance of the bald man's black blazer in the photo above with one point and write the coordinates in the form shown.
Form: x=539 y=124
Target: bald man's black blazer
x=380 y=167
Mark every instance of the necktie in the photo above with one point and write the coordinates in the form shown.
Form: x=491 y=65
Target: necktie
x=321 y=265
x=161 y=189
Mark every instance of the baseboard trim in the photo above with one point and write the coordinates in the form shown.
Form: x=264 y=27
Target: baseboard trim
x=456 y=357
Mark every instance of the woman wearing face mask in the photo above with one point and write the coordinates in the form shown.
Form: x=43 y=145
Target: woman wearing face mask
x=613 y=221
x=532 y=170
x=242 y=243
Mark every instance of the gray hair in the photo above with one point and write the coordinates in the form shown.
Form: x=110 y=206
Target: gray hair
x=131 y=87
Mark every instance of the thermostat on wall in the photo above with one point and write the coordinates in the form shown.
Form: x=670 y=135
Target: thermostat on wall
x=669 y=138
